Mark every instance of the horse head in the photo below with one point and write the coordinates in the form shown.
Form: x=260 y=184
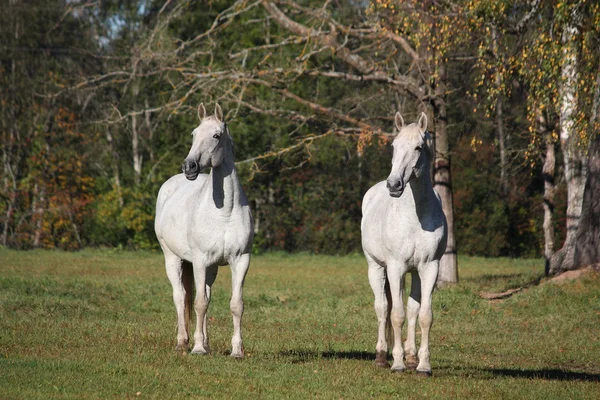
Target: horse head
x=211 y=143
x=411 y=154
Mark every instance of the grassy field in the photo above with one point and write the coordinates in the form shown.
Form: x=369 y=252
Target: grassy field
x=101 y=324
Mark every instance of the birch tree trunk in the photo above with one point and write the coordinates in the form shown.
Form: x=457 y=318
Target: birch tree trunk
x=549 y=190
x=575 y=160
x=135 y=148
x=138 y=158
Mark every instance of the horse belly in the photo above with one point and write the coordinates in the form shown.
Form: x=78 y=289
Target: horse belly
x=239 y=234
x=171 y=231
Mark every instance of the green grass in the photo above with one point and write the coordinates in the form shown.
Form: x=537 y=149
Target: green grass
x=101 y=324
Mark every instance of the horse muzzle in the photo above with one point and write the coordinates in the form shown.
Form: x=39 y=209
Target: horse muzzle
x=396 y=189
x=191 y=169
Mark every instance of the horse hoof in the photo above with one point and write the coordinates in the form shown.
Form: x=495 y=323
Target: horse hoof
x=182 y=349
x=381 y=360
x=199 y=352
x=426 y=374
x=411 y=362
x=398 y=370
x=237 y=356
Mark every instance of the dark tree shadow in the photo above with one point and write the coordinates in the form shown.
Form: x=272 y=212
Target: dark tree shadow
x=349 y=355
x=548 y=374
x=299 y=356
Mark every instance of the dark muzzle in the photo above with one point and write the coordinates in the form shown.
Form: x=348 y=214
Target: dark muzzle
x=396 y=188
x=191 y=169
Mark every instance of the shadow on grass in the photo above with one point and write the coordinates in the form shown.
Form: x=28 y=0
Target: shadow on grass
x=506 y=282
x=349 y=355
x=300 y=356
x=547 y=374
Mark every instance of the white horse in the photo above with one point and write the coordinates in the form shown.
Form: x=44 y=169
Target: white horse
x=404 y=232
x=204 y=221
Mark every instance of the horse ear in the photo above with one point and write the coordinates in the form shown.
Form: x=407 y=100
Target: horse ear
x=399 y=121
x=218 y=112
x=201 y=112
x=422 y=124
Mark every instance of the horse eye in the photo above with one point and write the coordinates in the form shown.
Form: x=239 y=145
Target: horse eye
x=419 y=148
x=216 y=135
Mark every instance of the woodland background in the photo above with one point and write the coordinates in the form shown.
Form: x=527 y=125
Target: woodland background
x=98 y=100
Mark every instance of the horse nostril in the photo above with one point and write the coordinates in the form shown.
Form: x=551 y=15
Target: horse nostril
x=190 y=166
x=395 y=186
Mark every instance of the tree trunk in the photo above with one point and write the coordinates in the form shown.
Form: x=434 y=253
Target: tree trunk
x=587 y=242
x=150 y=128
x=549 y=190
x=138 y=158
x=135 y=147
x=10 y=157
x=115 y=160
x=500 y=117
x=443 y=180
x=575 y=160
x=37 y=210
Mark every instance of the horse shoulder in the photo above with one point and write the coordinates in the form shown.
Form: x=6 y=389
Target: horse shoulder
x=175 y=202
x=371 y=198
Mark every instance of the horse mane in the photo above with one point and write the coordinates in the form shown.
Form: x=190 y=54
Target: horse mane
x=231 y=143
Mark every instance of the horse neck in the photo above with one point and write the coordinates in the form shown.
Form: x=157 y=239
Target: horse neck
x=225 y=186
x=422 y=190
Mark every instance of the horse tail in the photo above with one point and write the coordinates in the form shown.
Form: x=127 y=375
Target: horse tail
x=389 y=333
x=187 y=278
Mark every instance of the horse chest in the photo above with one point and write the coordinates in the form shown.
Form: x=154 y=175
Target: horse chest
x=393 y=231
x=219 y=235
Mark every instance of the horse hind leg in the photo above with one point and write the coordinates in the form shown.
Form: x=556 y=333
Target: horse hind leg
x=239 y=268
x=380 y=287
x=412 y=311
x=428 y=277
x=187 y=277
x=211 y=276
x=176 y=273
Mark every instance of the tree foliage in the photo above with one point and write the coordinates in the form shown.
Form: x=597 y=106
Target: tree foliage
x=98 y=101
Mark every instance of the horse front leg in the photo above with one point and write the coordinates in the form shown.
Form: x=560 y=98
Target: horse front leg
x=412 y=312
x=428 y=274
x=395 y=274
x=239 y=268
x=201 y=306
x=175 y=273
x=379 y=285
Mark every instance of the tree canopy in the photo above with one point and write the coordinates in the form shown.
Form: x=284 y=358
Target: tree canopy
x=98 y=102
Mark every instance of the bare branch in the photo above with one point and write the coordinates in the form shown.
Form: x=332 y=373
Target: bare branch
x=330 y=40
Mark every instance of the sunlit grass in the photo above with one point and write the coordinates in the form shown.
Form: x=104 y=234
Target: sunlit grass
x=101 y=323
